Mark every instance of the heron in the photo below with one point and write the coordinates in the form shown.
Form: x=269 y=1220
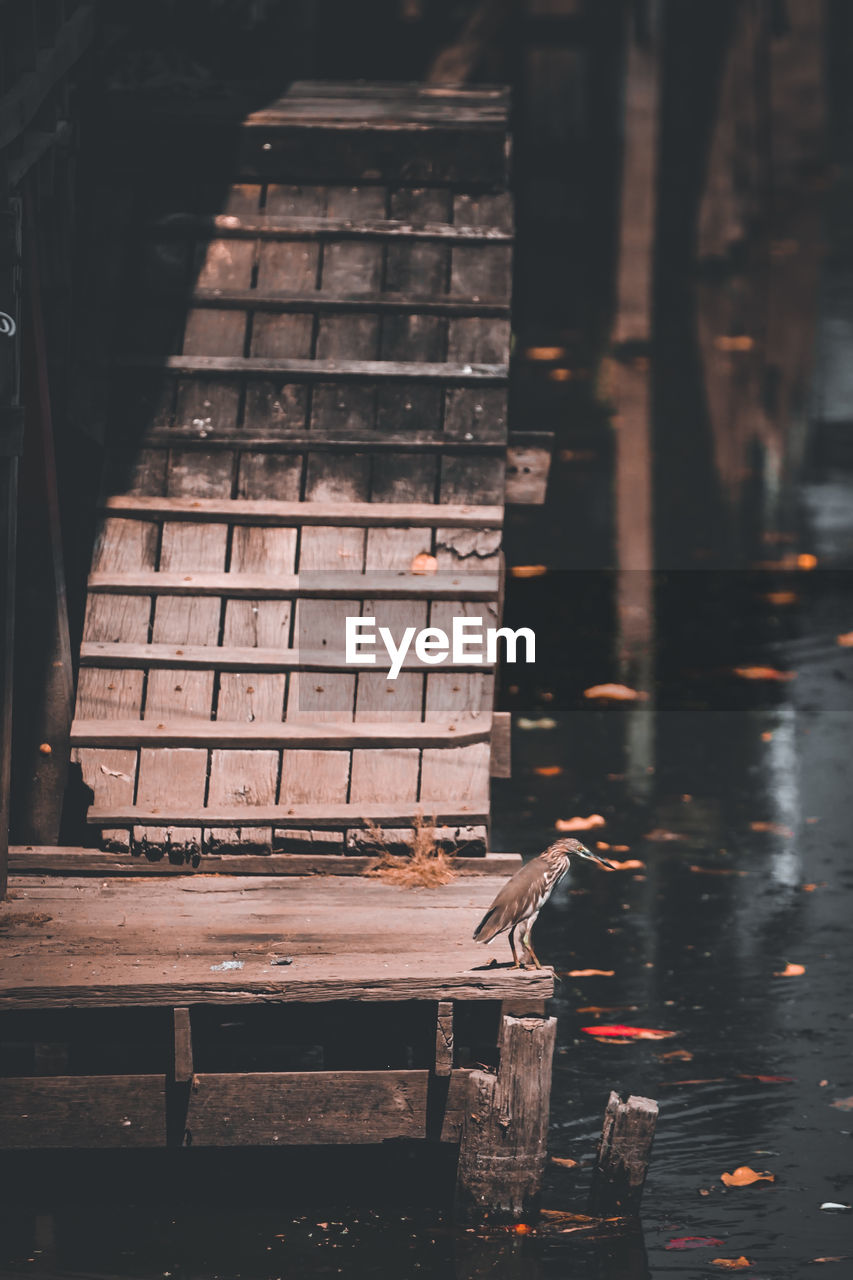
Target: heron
x=519 y=902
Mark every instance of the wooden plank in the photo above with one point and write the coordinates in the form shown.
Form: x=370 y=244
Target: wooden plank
x=313 y=511
x=182 y=1046
x=324 y=370
x=444 y=1038
x=265 y=437
x=326 y=228
x=310 y=1108
x=288 y=816
x=82 y=1111
x=230 y=658
x=317 y=302
x=82 y=861
x=317 y=586
x=500 y=763
x=258 y=735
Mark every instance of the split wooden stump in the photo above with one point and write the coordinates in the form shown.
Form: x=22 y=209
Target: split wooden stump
x=623 y=1156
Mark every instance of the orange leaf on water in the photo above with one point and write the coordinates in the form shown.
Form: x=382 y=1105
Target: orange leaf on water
x=764 y=673
x=676 y=1055
x=628 y=1033
x=580 y=824
x=767 y=736
x=660 y=835
x=791 y=971
x=767 y=1079
x=549 y=770
x=806 y=561
x=718 y=871
x=734 y=342
x=845 y=640
x=615 y=693
x=544 y=353
x=528 y=570
x=731 y=1264
x=743 y=1176
x=842 y=1104
x=773 y=828
x=564 y=1162
x=590 y=973
x=630 y=864
x=781 y=597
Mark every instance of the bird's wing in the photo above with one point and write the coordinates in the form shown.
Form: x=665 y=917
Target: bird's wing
x=511 y=902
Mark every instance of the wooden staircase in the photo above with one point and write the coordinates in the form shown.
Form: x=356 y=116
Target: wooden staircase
x=308 y=423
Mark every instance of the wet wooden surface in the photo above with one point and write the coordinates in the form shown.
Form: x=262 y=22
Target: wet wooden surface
x=88 y=942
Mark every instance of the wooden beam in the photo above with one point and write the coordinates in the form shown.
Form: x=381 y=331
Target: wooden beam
x=323 y=303
x=93 y=653
x=502 y=1151
x=228 y=226
x=314 y=585
x=20 y=105
x=269 y=511
x=258 y=735
x=623 y=1156
x=297 y=816
x=69 y=861
x=182 y=1046
x=457 y=375
x=444 y=1038
x=320 y=441
x=82 y=1111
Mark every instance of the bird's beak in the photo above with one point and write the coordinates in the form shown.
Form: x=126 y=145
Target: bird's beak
x=594 y=857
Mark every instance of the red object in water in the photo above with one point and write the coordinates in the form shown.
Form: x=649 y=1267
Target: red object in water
x=628 y=1033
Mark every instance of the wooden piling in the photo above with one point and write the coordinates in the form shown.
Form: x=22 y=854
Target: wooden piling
x=502 y=1151
x=623 y=1156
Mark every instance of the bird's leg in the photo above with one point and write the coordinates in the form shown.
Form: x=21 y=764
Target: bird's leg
x=515 y=961
x=528 y=947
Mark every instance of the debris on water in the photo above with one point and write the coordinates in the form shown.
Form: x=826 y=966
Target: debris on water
x=580 y=824
x=831 y=1206
x=544 y=722
x=226 y=964
x=695 y=1242
x=282 y=960
x=743 y=1176
x=791 y=971
x=615 y=693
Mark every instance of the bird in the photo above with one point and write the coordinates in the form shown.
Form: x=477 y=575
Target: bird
x=520 y=900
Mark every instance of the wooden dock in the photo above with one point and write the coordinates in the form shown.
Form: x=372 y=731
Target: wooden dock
x=393 y=1024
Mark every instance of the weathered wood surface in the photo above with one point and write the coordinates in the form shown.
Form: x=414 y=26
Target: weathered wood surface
x=67 y=860
x=78 y=942
x=622 y=1160
x=312 y=406
x=305 y=1108
x=502 y=1152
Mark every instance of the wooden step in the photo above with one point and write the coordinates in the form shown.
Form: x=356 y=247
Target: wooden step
x=213 y=657
x=353 y=440
x=315 y=817
x=269 y=511
x=225 y=226
x=316 y=584
x=325 y=370
x=257 y=735
x=445 y=304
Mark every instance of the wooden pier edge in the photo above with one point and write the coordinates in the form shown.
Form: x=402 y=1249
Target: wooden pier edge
x=505 y=1126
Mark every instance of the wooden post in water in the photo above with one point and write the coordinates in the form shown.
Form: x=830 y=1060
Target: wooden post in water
x=502 y=1152
x=623 y=1156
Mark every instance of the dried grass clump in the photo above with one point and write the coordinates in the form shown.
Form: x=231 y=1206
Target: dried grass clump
x=427 y=865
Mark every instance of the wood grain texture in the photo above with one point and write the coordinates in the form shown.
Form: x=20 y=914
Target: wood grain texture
x=319 y=510
x=69 y=860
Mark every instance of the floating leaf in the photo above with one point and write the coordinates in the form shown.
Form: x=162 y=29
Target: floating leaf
x=718 y=871
x=615 y=693
x=590 y=973
x=731 y=1264
x=676 y=1055
x=549 y=770
x=630 y=864
x=544 y=722
x=564 y=1162
x=806 y=561
x=768 y=1079
x=791 y=971
x=773 y=828
x=845 y=640
x=620 y=848
x=781 y=597
x=528 y=570
x=764 y=673
x=767 y=736
x=694 y=1242
x=580 y=824
x=843 y=1104
x=660 y=835
x=544 y=353
x=607 y=1008
x=628 y=1033
x=743 y=1176
x=424 y=563
x=734 y=342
